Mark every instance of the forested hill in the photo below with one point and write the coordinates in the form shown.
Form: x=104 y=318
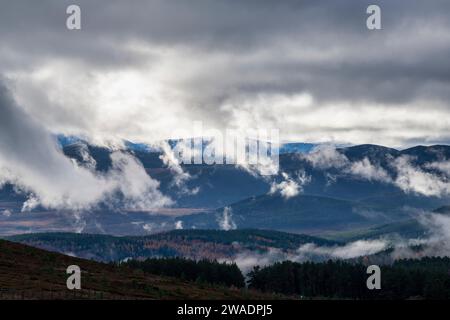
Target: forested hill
x=195 y=244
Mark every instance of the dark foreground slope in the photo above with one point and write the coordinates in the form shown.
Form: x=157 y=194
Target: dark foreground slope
x=30 y=273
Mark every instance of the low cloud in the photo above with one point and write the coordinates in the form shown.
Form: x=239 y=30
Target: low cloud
x=436 y=244
x=327 y=157
x=179 y=225
x=442 y=166
x=290 y=187
x=31 y=160
x=153 y=227
x=247 y=260
x=351 y=250
x=226 y=221
x=181 y=177
x=366 y=170
x=411 y=178
x=309 y=252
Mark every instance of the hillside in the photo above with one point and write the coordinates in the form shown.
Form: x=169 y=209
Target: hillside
x=299 y=214
x=409 y=228
x=195 y=244
x=30 y=273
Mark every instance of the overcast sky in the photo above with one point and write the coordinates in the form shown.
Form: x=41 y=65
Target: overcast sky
x=139 y=70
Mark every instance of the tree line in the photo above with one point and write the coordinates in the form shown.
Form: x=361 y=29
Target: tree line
x=213 y=272
x=427 y=278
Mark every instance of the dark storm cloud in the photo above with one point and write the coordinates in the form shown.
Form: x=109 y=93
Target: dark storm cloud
x=35 y=30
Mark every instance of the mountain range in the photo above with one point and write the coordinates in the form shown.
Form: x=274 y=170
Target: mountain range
x=338 y=196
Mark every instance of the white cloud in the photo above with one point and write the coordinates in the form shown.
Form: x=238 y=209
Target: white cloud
x=408 y=177
x=170 y=159
x=148 y=227
x=139 y=190
x=351 y=250
x=309 y=252
x=31 y=160
x=413 y=179
x=179 y=225
x=86 y=157
x=442 y=166
x=247 y=260
x=366 y=170
x=226 y=221
x=435 y=244
x=326 y=156
x=290 y=187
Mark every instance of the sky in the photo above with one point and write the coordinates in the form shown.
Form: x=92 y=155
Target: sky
x=142 y=70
